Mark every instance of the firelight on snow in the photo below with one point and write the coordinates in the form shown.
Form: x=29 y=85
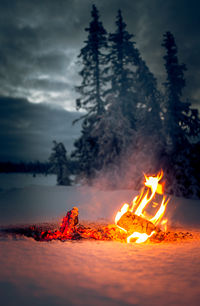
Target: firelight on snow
x=128 y=218
x=139 y=222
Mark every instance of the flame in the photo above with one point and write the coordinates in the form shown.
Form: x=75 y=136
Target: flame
x=141 y=237
x=121 y=212
x=141 y=201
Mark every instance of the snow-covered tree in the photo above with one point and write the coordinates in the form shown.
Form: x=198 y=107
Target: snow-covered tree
x=59 y=163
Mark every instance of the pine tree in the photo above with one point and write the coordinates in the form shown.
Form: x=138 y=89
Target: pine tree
x=121 y=70
x=181 y=122
x=149 y=141
x=91 y=93
x=135 y=88
x=92 y=59
x=59 y=163
x=132 y=81
x=150 y=99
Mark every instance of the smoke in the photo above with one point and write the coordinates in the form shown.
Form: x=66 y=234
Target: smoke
x=127 y=172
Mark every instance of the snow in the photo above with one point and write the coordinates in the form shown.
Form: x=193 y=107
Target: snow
x=91 y=272
x=99 y=273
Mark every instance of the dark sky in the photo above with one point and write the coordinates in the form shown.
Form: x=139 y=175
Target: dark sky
x=27 y=130
x=40 y=41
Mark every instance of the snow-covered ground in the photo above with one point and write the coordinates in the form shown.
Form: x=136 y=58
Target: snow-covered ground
x=90 y=272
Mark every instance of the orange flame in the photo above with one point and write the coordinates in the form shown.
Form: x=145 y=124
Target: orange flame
x=141 y=201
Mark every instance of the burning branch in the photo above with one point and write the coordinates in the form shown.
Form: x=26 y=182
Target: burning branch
x=133 y=223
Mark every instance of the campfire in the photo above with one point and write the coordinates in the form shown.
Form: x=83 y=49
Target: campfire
x=131 y=222
x=139 y=222
x=135 y=221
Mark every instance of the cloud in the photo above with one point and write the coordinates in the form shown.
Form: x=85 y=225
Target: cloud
x=27 y=130
x=40 y=41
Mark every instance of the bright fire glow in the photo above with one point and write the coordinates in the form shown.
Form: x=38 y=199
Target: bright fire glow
x=140 y=202
x=141 y=237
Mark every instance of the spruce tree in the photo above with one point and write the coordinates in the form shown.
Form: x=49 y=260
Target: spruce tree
x=149 y=124
x=92 y=59
x=181 y=122
x=150 y=99
x=91 y=93
x=132 y=82
x=121 y=69
x=135 y=87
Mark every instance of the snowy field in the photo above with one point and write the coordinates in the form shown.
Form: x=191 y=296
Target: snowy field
x=90 y=272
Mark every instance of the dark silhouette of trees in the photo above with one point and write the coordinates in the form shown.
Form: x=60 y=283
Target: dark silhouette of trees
x=92 y=59
x=150 y=99
x=181 y=120
x=149 y=126
x=133 y=111
x=128 y=120
x=180 y=123
x=91 y=93
x=121 y=70
x=34 y=168
x=59 y=163
x=132 y=82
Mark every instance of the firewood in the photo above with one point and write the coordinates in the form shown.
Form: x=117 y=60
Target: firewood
x=71 y=230
x=69 y=221
x=133 y=223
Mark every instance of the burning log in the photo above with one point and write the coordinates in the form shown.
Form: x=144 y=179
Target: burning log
x=131 y=218
x=69 y=222
x=68 y=228
x=133 y=223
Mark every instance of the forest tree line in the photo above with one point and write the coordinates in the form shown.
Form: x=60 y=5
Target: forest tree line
x=129 y=125
x=38 y=167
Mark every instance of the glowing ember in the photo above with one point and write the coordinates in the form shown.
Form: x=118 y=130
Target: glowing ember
x=147 y=197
